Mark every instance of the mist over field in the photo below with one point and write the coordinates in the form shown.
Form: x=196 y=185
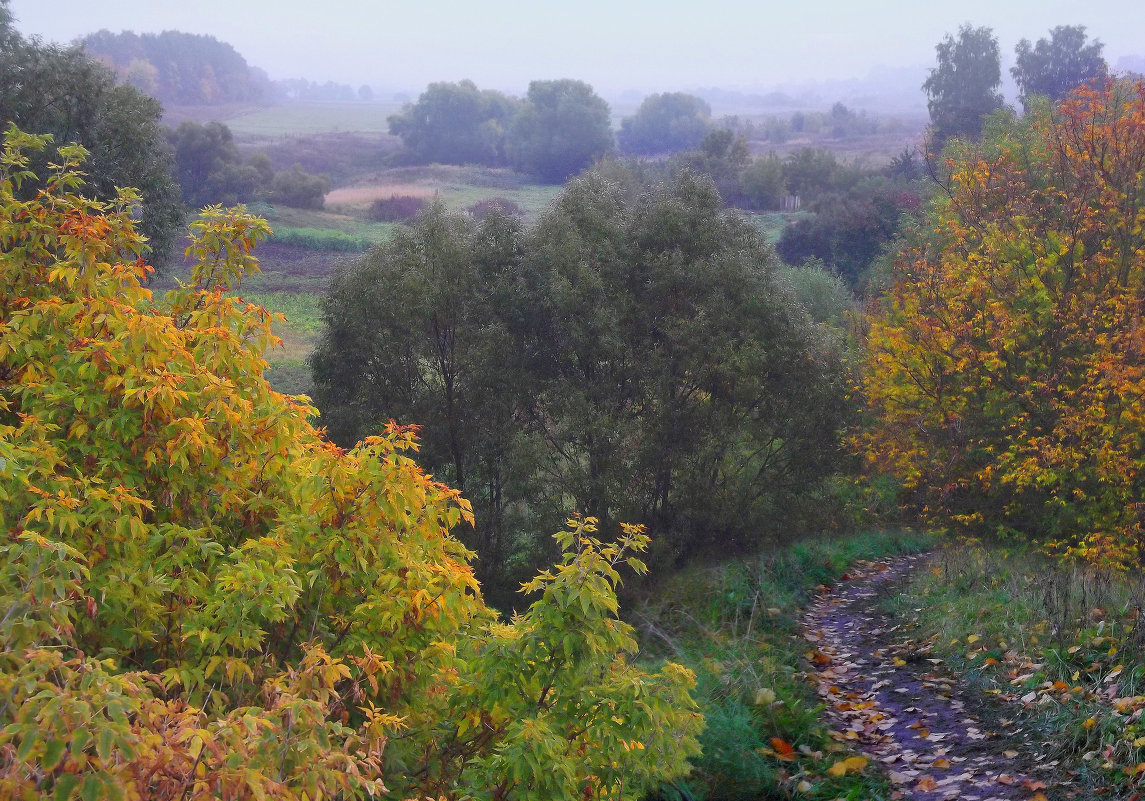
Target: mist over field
x=870 y=54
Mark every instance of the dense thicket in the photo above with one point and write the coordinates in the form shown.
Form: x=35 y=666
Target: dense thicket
x=1005 y=371
x=632 y=357
x=178 y=68
x=204 y=598
x=211 y=171
x=63 y=92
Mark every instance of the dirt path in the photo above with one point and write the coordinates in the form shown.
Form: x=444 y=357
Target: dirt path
x=935 y=738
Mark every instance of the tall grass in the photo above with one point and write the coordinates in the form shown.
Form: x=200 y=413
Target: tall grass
x=1063 y=643
x=736 y=626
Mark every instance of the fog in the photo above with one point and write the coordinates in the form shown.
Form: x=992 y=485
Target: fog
x=625 y=46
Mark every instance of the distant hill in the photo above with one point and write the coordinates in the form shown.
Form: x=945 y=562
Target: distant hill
x=179 y=68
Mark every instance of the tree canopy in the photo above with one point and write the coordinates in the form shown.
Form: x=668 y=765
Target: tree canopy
x=61 y=91
x=963 y=87
x=1055 y=67
x=204 y=598
x=631 y=357
x=562 y=128
x=666 y=123
x=456 y=123
x=1005 y=361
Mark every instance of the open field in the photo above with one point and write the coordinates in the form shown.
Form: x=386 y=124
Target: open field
x=873 y=150
x=457 y=187
x=311 y=118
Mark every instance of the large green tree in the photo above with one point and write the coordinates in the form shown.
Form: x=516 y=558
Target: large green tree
x=631 y=357
x=562 y=128
x=62 y=92
x=666 y=123
x=963 y=87
x=426 y=330
x=1055 y=66
x=455 y=123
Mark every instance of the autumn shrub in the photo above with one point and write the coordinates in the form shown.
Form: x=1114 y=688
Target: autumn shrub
x=396 y=208
x=1005 y=373
x=204 y=598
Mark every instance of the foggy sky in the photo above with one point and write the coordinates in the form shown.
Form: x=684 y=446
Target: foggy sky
x=613 y=44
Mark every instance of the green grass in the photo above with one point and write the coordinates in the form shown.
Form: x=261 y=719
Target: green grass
x=1014 y=622
x=285 y=218
x=311 y=118
x=736 y=626
x=321 y=239
x=772 y=223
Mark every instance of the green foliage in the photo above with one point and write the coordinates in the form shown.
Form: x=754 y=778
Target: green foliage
x=321 y=239
x=562 y=128
x=209 y=168
x=722 y=156
x=848 y=231
x=963 y=88
x=1055 y=67
x=62 y=92
x=666 y=123
x=455 y=123
x=764 y=183
x=298 y=188
x=632 y=356
x=204 y=598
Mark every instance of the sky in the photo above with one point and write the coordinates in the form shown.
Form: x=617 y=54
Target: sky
x=616 y=45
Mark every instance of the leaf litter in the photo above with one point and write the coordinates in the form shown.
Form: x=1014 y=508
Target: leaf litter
x=889 y=699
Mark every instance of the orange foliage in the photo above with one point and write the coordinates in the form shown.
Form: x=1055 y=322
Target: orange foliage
x=1005 y=371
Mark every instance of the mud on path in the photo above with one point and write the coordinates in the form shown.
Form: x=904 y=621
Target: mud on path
x=934 y=737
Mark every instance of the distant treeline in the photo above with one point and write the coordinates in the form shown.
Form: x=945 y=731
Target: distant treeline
x=179 y=68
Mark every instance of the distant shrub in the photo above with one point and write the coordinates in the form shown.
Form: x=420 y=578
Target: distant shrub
x=482 y=208
x=300 y=189
x=395 y=208
x=321 y=239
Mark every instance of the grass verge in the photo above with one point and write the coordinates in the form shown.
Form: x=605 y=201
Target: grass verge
x=1059 y=644
x=736 y=626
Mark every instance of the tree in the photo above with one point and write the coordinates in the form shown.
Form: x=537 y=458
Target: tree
x=300 y=189
x=60 y=91
x=205 y=598
x=666 y=123
x=428 y=328
x=1056 y=67
x=455 y=123
x=763 y=183
x=963 y=88
x=1005 y=369
x=562 y=128
x=685 y=388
